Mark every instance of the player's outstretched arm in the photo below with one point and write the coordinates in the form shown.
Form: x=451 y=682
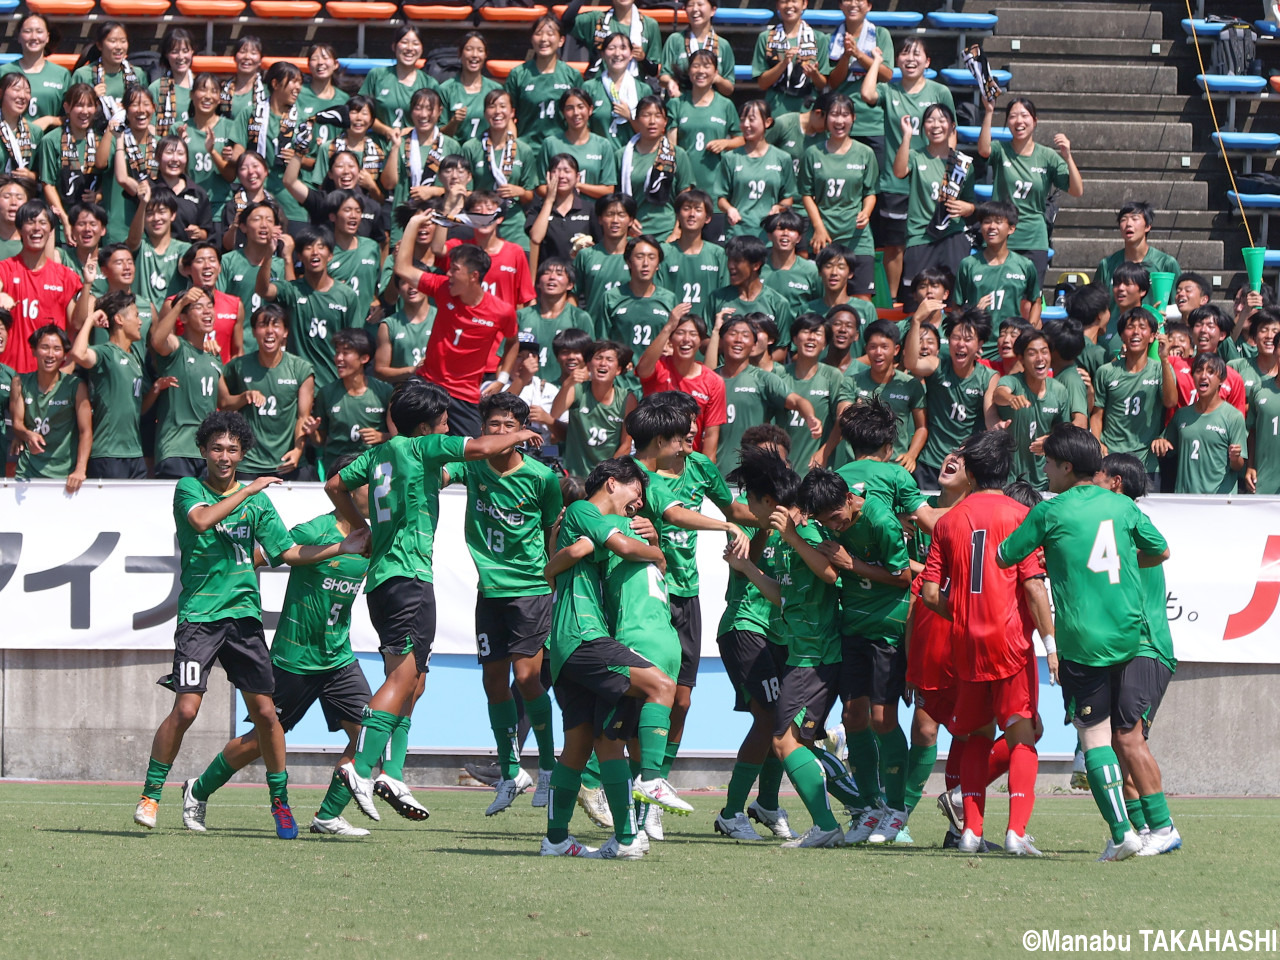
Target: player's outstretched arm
x=1029 y=535
x=205 y=516
x=687 y=519
x=491 y=445
x=932 y=597
x=566 y=557
x=305 y=554
x=769 y=588
x=340 y=494
x=1153 y=548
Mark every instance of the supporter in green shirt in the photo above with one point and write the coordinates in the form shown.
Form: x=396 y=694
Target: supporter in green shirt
x=791 y=59
x=597 y=407
x=157 y=253
x=602 y=266
x=692 y=268
x=269 y=131
x=1004 y=283
x=881 y=379
x=793 y=276
x=637 y=310
x=745 y=257
x=537 y=85
x=595 y=28
x=653 y=169
x=350 y=412
x=392 y=88
x=704 y=122
x=52 y=418
x=678 y=60
x=403 y=336
x=756 y=179
x=1135 y=219
x=838 y=181
x=187 y=380
x=1032 y=402
x=115 y=380
x=48 y=80
x=551 y=313
x=810 y=378
x=464 y=96
x=1209 y=436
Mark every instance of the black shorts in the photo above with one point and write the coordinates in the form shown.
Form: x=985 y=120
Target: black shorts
x=464 y=418
x=805 y=697
x=872 y=668
x=889 y=220
x=1041 y=260
x=343 y=695
x=593 y=689
x=1143 y=681
x=864 y=275
x=116 y=468
x=511 y=626
x=236 y=643
x=686 y=617
x=753 y=665
x=403 y=612
x=175 y=468
x=1090 y=694
x=938 y=253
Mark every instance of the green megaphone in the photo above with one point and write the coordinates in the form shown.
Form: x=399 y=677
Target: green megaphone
x=1253 y=258
x=1161 y=287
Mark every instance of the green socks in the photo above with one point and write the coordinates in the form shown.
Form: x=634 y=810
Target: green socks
x=864 y=763
x=770 y=781
x=335 y=800
x=565 y=782
x=920 y=761
x=214 y=776
x=538 y=711
x=278 y=786
x=806 y=775
x=673 y=747
x=616 y=777
x=591 y=775
x=740 y=781
x=1134 y=809
x=397 y=749
x=504 y=718
x=893 y=767
x=655 y=721
x=1155 y=810
x=156 y=774
x=839 y=784
x=374 y=733
x=1102 y=767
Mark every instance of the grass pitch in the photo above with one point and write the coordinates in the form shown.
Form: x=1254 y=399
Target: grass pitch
x=77 y=879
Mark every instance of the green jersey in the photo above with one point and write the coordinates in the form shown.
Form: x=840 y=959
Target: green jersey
x=700 y=480
x=889 y=483
x=697 y=126
x=1157 y=641
x=787 y=134
x=675 y=59
x=156 y=275
x=455 y=95
x=182 y=408
x=391 y=96
x=1025 y=181
x=1132 y=407
x=793 y=88
x=48 y=85
x=637 y=604
x=404 y=477
x=239 y=278
x=430 y=153
x=518 y=167
x=1156 y=261
x=115 y=392
x=1263 y=421
x=597 y=273
x=578 y=615
x=543 y=330
x=200 y=168
x=536 y=97
x=897 y=103
x=869 y=120
x=1027 y=424
x=314 y=632
x=592 y=28
x=409 y=339
x=808 y=622
x=314 y=317
x=242 y=134
x=273 y=422
x=309 y=105
x=597 y=158
x=1077 y=392
x=768 y=301
x=926 y=176
x=693 y=276
x=798 y=283
x=820 y=388
x=32 y=134
x=634 y=320
x=595 y=428
x=218 y=579
x=53 y=416
x=343 y=415
x=506 y=523
x=1091 y=539
x=903 y=393
x=179 y=99
x=838 y=184
x=1092 y=358
x=745 y=607
x=753 y=396
x=953 y=408
x=1008 y=283
x=359 y=269
x=871 y=610
x=753 y=185
x=658 y=219
x=1201 y=441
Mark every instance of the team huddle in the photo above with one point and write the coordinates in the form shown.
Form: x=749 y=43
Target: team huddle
x=844 y=584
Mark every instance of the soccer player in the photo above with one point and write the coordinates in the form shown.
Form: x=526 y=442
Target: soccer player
x=157 y=252
x=115 y=389
x=1094 y=544
x=636 y=310
x=513 y=502
x=1032 y=402
x=311 y=660
x=992 y=610
x=602 y=267
x=404 y=474
x=507 y=276
x=693 y=267
x=746 y=292
x=552 y=313
x=1142 y=686
x=187 y=378
x=791 y=275
x=219 y=521
x=1209 y=436
x=1263 y=475
x=351 y=412
x=816 y=382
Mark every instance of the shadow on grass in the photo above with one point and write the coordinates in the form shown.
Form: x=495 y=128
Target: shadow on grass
x=214 y=834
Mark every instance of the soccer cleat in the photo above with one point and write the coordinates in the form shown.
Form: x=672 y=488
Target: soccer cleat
x=775 y=820
x=486 y=773
x=951 y=803
x=614 y=849
x=950 y=840
x=1079 y=777
x=642 y=839
x=144 y=814
x=399 y=797
x=568 y=847
x=286 y=826
x=653 y=824
x=192 y=809
x=738 y=828
x=904 y=835
x=508 y=790
x=1126 y=848
x=861 y=831
x=542 y=792
x=817 y=837
x=361 y=790
x=1156 y=843
x=596 y=806
x=336 y=827
x=889 y=827
x=970 y=842
x=660 y=793
x=1020 y=846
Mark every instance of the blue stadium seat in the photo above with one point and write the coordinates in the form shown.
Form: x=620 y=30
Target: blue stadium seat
x=1255 y=201
x=961 y=77
x=1271 y=258
x=895 y=19
x=1266 y=28
x=950 y=20
x=929 y=74
x=1248 y=141
x=1218 y=83
x=742 y=18
x=1053 y=313
x=741 y=71
x=1203 y=28
x=971 y=134
x=359 y=66
x=9 y=57
x=8 y=6
x=983 y=191
x=824 y=18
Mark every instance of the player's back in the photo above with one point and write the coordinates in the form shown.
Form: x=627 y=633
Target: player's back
x=638 y=608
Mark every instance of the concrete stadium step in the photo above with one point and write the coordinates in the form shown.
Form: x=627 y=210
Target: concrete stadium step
x=1162 y=194
x=1204 y=254
x=1076 y=49
x=1095 y=20
x=1198 y=222
x=1108 y=164
x=1116 y=106
x=1134 y=79
x=1121 y=138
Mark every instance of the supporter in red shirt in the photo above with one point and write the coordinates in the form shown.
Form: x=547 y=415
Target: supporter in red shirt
x=201 y=265
x=682 y=371
x=33 y=288
x=1209 y=327
x=470 y=323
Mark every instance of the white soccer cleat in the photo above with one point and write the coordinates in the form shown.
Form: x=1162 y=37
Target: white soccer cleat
x=775 y=820
x=738 y=828
x=193 y=810
x=144 y=814
x=971 y=842
x=1020 y=846
x=508 y=790
x=817 y=837
x=1155 y=843
x=361 y=790
x=1126 y=848
x=614 y=849
x=399 y=797
x=566 y=848
x=596 y=806
x=542 y=792
x=336 y=827
x=642 y=839
x=653 y=823
x=951 y=803
x=889 y=827
x=659 y=792
x=861 y=831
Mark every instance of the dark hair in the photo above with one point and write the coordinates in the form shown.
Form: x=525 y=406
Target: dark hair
x=225 y=423
x=359 y=102
x=248 y=40
x=748 y=248
x=988 y=458
x=172 y=39
x=645 y=238
x=545 y=266
x=1140 y=207
x=760 y=107
x=783 y=220
x=1015 y=323
x=1260 y=319
x=834 y=251
x=835 y=311
x=997 y=209
x=48 y=330
x=807 y=322
x=577 y=92
x=571 y=340
x=763 y=434
x=54 y=34
x=1068 y=443
x=76 y=93
x=403 y=31
x=1214 y=315
x=940 y=274
x=762 y=473
x=455 y=161
x=822 y=490
x=972 y=318
x=108 y=250
x=267 y=312
x=599 y=346
x=1177 y=326
x=682 y=401
x=609 y=199
x=1191 y=277
x=504 y=402
x=310 y=235
x=353 y=338
x=1217 y=366
x=32 y=210
x=868 y=425
x=9 y=180
x=622 y=469
x=163 y=197
x=651 y=421
x=282 y=71
x=1021 y=101
x=1066 y=338
x=883 y=328
x=492 y=96
x=703 y=53
x=424 y=95
x=1133 y=316
x=1023 y=492
x=737 y=319
x=939 y=108
x=829 y=100
x=406 y=211
x=415 y=402
x=93 y=52
x=114 y=304
x=258 y=205
x=1027 y=338
x=473 y=35
x=334 y=199
x=471 y=258
x=1132 y=273
x=560 y=158
x=1086 y=304
x=6 y=319
x=652 y=102
x=1132 y=474
x=95 y=210
x=693 y=194
x=767 y=325
x=572 y=489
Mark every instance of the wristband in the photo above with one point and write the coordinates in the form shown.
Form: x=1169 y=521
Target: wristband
x=503 y=377
x=1050 y=645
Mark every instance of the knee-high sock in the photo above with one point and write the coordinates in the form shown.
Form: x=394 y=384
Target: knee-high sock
x=375 y=731
x=503 y=720
x=215 y=775
x=973 y=782
x=864 y=763
x=616 y=777
x=591 y=774
x=655 y=724
x=539 y=710
x=1155 y=808
x=156 y=774
x=1136 y=816
x=335 y=799
x=770 y=780
x=998 y=761
x=1102 y=767
x=920 y=761
x=278 y=786
x=565 y=782
x=740 y=781
x=669 y=757
x=955 y=757
x=893 y=767
x=806 y=775
x=1024 y=763
x=397 y=749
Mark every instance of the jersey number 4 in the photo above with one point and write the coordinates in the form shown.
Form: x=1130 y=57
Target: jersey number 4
x=1104 y=557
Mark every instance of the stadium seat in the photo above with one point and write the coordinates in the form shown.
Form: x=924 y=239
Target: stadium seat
x=1248 y=146
x=664 y=17
x=9 y=58
x=895 y=19
x=1275 y=84
x=65 y=60
x=971 y=134
x=1260 y=203
x=1267 y=29
x=498 y=69
x=299 y=62
x=929 y=74
x=359 y=66
x=203 y=64
x=742 y=18
x=741 y=71
x=1234 y=88
x=61 y=9
x=1053 y=313
x=983 y=191
x=824 y=18
x=1204 y=29
x=210 y=8
x=285 y=9
x=416 y=11
x=8 y=6
x=961 y=77
x=950 y=20
x=134 y=8
x=512 y=14
x=363 y=11
x=1271 y=258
